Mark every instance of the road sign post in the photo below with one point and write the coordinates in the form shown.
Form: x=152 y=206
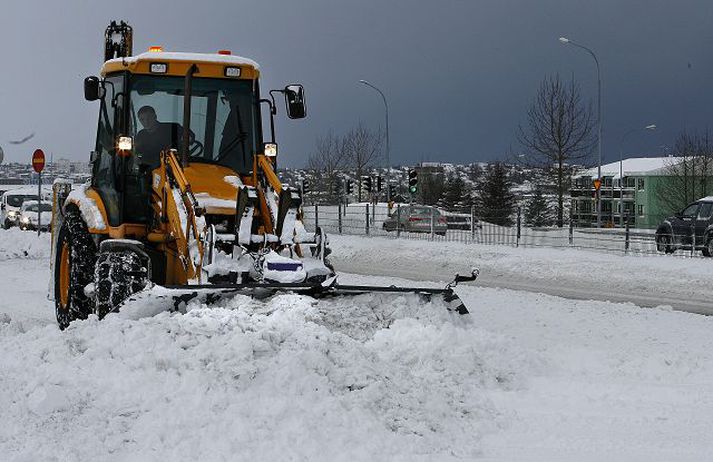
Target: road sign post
x=38 y=163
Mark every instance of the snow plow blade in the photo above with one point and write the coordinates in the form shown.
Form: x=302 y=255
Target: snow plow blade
x=211 y=293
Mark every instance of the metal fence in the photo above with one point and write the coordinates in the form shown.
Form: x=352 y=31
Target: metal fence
x=375 y=220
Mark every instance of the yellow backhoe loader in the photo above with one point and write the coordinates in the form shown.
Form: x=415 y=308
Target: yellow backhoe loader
x=184 y=192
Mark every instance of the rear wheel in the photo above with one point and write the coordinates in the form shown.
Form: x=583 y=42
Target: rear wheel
x=708 y=248
x=118 y=275
x=73 y=269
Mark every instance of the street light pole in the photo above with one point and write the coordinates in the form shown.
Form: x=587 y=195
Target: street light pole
x=388 y=147
x=650 y=127
x=567 y=41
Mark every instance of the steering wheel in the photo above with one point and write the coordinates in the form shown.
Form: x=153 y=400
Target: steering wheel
x=195 y=147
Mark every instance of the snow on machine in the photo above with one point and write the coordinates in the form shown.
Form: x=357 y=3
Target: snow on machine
x=184 y=192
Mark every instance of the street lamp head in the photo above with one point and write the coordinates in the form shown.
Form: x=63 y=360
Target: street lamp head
x=650 y=127
x=564 y=40
x=363 y=81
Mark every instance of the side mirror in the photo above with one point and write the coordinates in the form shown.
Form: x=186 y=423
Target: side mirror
x=92 y=89
x=295 y=101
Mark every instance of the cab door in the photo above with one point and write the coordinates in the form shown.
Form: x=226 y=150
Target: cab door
x=703 y=219
x=684 y=224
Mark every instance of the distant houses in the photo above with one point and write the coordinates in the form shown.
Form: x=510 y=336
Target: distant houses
x=640 y=189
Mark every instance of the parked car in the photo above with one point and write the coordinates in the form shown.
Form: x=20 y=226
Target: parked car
x=11 y=203
x=691 y=228
x=30 y=215
x=416 y=219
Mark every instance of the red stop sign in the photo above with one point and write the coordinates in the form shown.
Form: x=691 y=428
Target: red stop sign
x=38 y=160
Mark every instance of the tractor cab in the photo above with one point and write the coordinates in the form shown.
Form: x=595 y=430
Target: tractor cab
x=206 y=106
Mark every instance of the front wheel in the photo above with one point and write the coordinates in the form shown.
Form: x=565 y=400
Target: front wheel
x=664 y=243
x=73 y=269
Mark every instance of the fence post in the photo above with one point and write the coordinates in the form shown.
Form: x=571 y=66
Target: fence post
x=367 y=218
x=519 y=226
x=433 y=216
x=472 y=223
x=373 y=214
x=398 y=221
x=316 y=217
x=693 y=237
x=571 y=229
x=339 y=214
x=626 y=233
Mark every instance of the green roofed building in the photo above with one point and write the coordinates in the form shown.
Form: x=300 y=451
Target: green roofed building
x=639 y=187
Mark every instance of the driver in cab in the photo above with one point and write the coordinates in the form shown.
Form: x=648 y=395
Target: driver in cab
x=155 y=136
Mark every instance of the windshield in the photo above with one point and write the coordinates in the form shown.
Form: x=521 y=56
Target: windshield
x=224 y=119
x=423 y=211
x=17 y=200
x=33 y=208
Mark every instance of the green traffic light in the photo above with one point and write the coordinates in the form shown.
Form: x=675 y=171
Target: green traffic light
x=412 y=189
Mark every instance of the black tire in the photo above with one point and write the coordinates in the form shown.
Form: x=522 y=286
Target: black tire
x=118 y=275
x=708 y=248
x=81 y=258
x=664 y=244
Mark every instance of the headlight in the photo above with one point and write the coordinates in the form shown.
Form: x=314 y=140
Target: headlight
x=125 y=143
x=270 y=149
x=12 y=213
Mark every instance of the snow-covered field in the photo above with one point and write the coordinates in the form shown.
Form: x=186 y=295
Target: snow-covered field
x=524 y=377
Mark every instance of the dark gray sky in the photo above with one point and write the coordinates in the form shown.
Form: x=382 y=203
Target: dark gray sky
x=459 y=75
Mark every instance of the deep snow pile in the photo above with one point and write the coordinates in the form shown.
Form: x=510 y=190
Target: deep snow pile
x=15 y=243
x=360 y=378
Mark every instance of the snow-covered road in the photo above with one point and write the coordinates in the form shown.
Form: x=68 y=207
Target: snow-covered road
x=650 y=281
x=524 y=377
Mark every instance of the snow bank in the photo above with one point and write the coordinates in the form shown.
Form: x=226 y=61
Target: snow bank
x=361 y=378
x=18 y=244
x=607 y=273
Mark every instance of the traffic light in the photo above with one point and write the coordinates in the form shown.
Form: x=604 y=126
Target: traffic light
x=392 y=191
x=366 y=183
x=305 y=187
x=412 y=181
x=379 y=184
x=350 y=186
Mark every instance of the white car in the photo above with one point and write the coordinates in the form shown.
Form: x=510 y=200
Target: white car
x=33 y=216
x=12 y=201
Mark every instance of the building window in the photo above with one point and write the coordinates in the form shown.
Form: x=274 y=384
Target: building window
x=640 y=185
x=641 y=210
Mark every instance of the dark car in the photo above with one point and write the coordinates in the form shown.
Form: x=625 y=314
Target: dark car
x=691 y=228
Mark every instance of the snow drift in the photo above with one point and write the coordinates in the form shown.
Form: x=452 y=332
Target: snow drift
x=285 y=378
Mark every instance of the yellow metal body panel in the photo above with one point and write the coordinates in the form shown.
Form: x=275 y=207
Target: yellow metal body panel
x=94 y=195
x=209 y=65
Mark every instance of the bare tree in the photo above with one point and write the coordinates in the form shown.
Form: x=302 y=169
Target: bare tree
x=328 y=159
x=362 y=148
x=559 y=132
x=689 y=171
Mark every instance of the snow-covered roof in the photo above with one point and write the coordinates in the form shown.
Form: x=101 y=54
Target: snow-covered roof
x=190 y=57
x=635 y=166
